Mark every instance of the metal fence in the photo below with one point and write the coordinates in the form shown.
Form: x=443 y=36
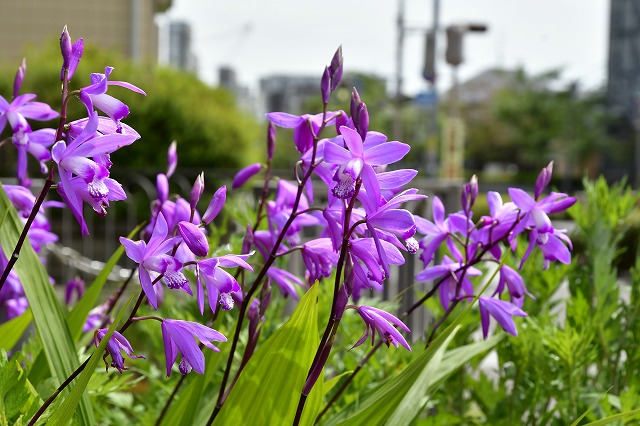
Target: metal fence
x=74 y=256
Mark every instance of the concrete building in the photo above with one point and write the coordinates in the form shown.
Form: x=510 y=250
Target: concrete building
x=288 y=92
x=180 y=54
x=126 y=26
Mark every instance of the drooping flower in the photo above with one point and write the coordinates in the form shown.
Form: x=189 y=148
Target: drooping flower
x=219 y=283
x=502 y=311
x=182 y=337
x=319 y=258
x=245 y=174
x=377 y=320
x=454 y=276
x=153 y=257
x=117 y=344
x=305 y=127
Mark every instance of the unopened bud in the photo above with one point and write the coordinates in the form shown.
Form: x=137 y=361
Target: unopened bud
x=245 y=174
x=162 y=186
x=247 y=241
x=76 y=53
x=325 y=83
x=363 y=120
x=193 y=236
x=543 y=179
x=172 y=158
x=271 y=140
x=215 y=205
x=196 y=191
x=336 y=69
x=469 y=194
x=17 y=82
x=65 y=47
x=353 y=109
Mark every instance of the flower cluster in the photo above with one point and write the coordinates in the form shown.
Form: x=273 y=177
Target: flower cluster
x=470 y=243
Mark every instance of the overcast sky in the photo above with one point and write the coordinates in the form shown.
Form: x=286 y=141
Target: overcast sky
x=259 y=37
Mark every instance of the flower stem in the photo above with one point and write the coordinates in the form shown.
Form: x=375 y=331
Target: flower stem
x=261 y=275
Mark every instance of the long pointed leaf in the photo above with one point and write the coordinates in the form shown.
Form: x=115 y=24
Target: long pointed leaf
x=268 y=390
x=48 y=314
x=63 y=414
x=79 y=313
x=11 y=331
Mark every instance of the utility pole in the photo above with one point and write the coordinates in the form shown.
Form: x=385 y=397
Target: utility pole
x=397 y=115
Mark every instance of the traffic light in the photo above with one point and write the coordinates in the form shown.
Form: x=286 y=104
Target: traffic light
x=455 y=35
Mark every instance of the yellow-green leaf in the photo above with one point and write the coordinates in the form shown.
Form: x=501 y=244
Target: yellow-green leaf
x=269 y=387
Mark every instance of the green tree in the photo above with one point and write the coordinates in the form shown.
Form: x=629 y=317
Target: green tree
x=204 y=121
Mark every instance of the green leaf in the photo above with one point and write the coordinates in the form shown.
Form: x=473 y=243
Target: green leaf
x=12 y=331
x=268 y=389
x=610 y=419
x=329 y=384
x=18 y=399
x=188 y=402
x=47 y=312
x=78 y=315
x=64 y=412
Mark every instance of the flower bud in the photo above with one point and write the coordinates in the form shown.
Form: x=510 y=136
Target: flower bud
x=324 y=86
x=172 y=158
x=335 y=69
x=271 y=140
x=162 y=186
x=194 y=238
x=336 y=61
x=184 y=367
x=543 y=179
x=245 y=174
x=196 y=191
x=76 y=53
x=76 y=285
x=247 y=241
x=363 y=120
x=341 y=120
x=215 y=205
x=65 y=48
x=355 y=102
x=469 y=195
x=17 y=82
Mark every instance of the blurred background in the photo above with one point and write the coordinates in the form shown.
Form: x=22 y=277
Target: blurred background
x=494 y=88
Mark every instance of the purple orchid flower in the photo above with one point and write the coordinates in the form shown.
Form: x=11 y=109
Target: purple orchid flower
x=23 y=138
x=73 y=159
x=153 y=257
x=178 y=336
x=285 y=280
x=385 y=324
x=117 y=344
x=71 y=54
x=219 y=283
x=302 y=134
x=96 y=95
x=368 y=269
x=319 y=258
x=502 y=311
x=515 y=285
x=359 y=160
x=454 y=278
x=75 y=285
x=435 y=232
